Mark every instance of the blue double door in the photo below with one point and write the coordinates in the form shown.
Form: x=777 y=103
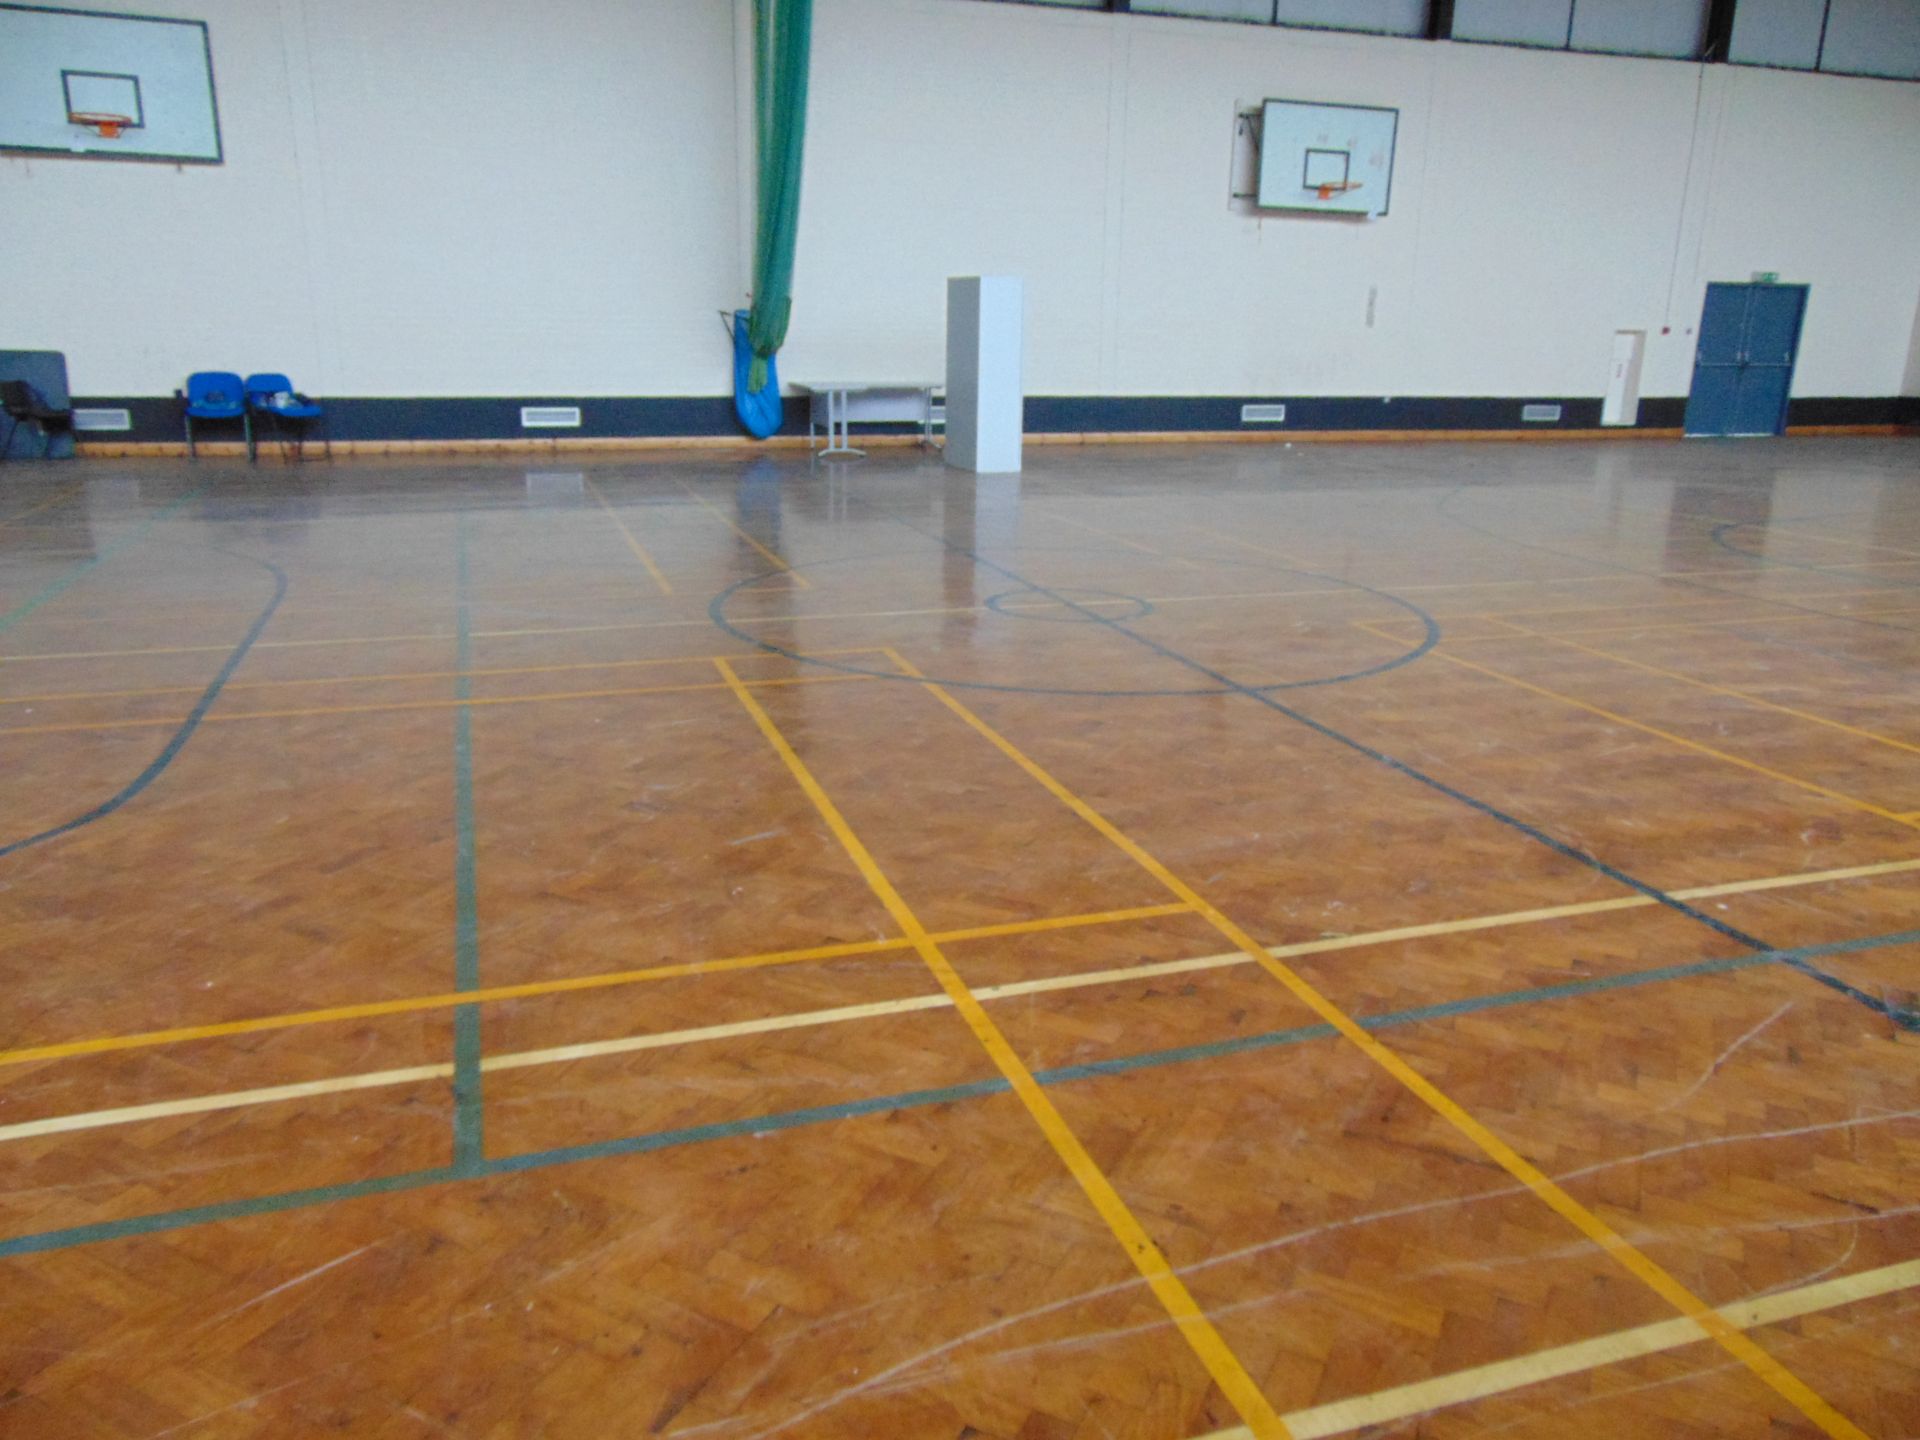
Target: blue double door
x=1743 y=368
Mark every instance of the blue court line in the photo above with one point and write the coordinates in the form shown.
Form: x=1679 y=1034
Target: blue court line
x=1446 y=512
x=1452 y=792
x=717 y=612
x=751 y=1125
x=1771 y=639
x=1719 y=537
x=59 y=587
x=62 y=1239
x=177 y=742
x=469 y=1149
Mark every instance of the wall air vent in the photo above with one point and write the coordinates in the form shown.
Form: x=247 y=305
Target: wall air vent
x=102 y=419
x=1540 y=414
x=1263 y=414
x=549 y=417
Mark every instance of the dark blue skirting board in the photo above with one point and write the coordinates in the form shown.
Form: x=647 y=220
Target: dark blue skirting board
x=157 y=418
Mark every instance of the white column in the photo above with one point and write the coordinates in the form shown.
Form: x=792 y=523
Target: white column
x=984 y=397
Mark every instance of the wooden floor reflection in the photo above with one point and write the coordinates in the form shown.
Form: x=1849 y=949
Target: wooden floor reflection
x=1238 y=941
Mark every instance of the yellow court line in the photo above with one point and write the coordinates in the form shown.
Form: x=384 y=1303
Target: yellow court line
x=1874 y=565
x=987 y=994
x=396 y=705
x=1148 y=970
x=1404 y=1402
x=1103 y=534
x=1794 y=532
x=1120 y=539
x=610 y=584
x=702 y=623
x=525 y=1059
x=1755 y=620
x=502 y=592
x=1727 y=690
x=633 y=541
x=144 y=1039
x=879 y=1009
x=1788 y=1385
x=548 y=630
x=525 y=631
x=1615 y=716
x=1328 y=591
x=1547 y=582
x=515 y=1060
x=1198 y=1331
x=43 y=505
x=1670 y=604
x=27 y=657
x=1247 y=545
x=397 y=676
x=800 y=582
x=1059 y=922
x=1153 y=969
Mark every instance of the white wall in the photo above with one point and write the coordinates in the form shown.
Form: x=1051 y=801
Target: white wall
x=1819 y=178
x=1541 y=201
x=1912 y=386
x=421 y=197
x=428 y=197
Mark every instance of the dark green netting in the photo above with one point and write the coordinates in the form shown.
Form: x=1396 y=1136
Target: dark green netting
x=782 y=41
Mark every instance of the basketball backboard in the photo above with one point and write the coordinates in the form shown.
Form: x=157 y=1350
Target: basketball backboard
x=1337 y=159
x=79 y=82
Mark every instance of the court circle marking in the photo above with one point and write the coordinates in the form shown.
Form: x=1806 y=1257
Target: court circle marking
x=1070 y=595
x=717 y=612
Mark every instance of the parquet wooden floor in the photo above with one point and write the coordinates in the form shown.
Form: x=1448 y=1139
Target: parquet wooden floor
x=1239 y=942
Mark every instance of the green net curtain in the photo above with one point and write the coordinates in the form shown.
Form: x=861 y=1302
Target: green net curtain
x=782 y=41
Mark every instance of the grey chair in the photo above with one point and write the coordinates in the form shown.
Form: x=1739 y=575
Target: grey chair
x=24 y=403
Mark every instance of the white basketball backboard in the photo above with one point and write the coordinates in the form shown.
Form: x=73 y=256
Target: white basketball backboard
x=158 y=73
x=1337 y=159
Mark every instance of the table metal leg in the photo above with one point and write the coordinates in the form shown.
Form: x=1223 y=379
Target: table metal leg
x=837 y=438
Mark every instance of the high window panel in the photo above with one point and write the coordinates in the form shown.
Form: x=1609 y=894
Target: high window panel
x=1260 y=10
x=1873 y=37
x=1785 y=33
x=1376 y=17
x=1513 y=22
x=1673 y=28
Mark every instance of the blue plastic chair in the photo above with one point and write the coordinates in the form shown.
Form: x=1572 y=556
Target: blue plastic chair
x=296 y=410
x=214 y=395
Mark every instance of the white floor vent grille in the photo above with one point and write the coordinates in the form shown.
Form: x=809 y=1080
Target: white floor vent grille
x=102 y=419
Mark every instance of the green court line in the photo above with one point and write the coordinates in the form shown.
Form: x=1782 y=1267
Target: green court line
x=469 y=1113
x=56 y=588
x=751 y=1125
x=1446 y=1010
x=512 y=1164
x=71 y=1236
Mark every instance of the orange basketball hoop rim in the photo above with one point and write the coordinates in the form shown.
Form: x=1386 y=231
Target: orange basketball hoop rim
x=1336 y=187
x=107 y=126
